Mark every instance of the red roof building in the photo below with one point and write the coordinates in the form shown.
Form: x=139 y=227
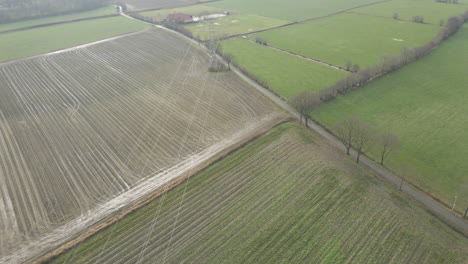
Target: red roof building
x=179 y=17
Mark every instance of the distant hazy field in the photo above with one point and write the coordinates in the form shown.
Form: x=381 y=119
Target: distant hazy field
x=97 y=12
x=292 y=10
x=425 y=105
x=194 y=10
x=359 y=38
x=286 y=74
x=32 y=42
x=286 y=198
x=432 y=11
x=234 y=24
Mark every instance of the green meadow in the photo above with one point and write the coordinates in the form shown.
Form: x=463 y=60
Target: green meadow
x=432 y=11
x=425 y=104
x=286 y=74
x=359 y=38
x=233 y=25
x=195 y=10
x=291 y=10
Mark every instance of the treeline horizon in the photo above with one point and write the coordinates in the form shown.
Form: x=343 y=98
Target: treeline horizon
x=18 y=10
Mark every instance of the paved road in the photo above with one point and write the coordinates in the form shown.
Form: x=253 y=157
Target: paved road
x=436 y=208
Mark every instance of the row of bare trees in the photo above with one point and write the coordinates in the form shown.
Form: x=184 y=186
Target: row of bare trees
x=351 y=130
x=355 y=132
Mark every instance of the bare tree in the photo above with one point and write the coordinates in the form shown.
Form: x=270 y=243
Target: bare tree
x=228 y=59
x=356 y=68
x=349 y=64
x=363 y=137
x=388 y=143
x=304 y=103
x=345 y=130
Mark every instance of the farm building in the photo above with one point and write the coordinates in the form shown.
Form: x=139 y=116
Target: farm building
x=180 y=17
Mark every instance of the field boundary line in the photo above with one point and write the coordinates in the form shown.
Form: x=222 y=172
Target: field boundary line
x=57 y=23
x=183 y=177
x=305 y=57
x=306 y=20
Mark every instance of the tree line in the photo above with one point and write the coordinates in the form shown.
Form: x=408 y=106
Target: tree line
x=390 y=62
x=351 y=131
x=355 y=132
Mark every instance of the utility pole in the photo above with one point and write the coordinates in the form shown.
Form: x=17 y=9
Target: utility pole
x=401 y=182
x=212 y=42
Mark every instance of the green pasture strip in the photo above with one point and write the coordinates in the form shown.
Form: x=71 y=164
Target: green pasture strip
x=359 y=38
x=233 y=25
x=433 y=12
x=284 y=73
x=195 y=10
x=291 y=10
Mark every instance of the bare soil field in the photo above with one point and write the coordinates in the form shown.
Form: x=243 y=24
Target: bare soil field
x=79 y=130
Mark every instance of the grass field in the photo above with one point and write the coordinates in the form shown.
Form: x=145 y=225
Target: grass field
x=286 y=198
x=234 y=24
x=194 y=10
x=228 y=25
x=83 y=127
x=97 y=12
x=425 y=105
x=432 y=11
x=359 y=38
x=286 y=74
x=292 y=10
x=37 y=41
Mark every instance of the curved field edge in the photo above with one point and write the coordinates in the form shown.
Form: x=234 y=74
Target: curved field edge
x=118 y=216
x=428 y=114
x=286 y=197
